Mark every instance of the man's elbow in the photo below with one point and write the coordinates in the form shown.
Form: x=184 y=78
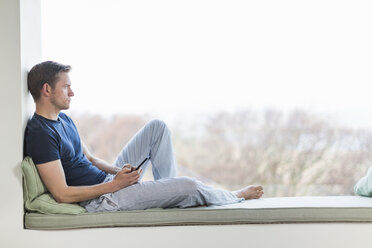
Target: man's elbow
x=62 y=198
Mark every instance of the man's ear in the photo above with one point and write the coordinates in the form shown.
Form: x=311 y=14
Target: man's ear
x=46 y=90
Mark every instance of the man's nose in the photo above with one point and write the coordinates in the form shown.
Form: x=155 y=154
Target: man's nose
x=70 y=93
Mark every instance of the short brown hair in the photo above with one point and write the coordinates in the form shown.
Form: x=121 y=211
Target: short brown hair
x=45 y=72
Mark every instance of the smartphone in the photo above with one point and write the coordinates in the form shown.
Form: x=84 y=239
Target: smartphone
x=139 y=166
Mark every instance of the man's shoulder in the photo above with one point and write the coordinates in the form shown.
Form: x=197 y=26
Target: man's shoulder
x=39 y=135
x=34 y=123
x=38 y=127
x=41 y=140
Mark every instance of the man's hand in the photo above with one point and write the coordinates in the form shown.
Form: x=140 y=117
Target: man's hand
x=132 y=168
x=126 y=177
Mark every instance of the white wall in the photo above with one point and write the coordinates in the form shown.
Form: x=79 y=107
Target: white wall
x=12 y=119
x=20 y=48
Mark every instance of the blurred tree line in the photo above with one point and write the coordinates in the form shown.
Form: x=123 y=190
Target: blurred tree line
x=292 y=154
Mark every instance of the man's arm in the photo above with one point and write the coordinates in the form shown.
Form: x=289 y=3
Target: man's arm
x=99 y=163
x=53 y=177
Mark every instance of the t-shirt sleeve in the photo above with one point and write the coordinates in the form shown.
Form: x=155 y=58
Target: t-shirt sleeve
x=42 y=147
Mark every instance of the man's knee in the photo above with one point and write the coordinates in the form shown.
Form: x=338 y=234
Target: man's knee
x=157 y=124
x=188 y=184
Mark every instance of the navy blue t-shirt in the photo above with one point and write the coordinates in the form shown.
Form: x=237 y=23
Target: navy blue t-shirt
x=48 y=140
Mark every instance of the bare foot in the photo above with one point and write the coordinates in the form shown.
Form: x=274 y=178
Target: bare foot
x=250 y=192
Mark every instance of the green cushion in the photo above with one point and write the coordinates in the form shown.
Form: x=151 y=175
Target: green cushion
x=364 y=186
x=36 y=196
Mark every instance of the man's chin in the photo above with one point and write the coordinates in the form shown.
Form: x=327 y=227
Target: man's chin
x=65 y=107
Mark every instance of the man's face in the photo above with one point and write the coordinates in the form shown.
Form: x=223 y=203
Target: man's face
x=62 y=93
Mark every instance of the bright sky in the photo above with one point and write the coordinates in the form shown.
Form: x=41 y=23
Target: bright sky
x=167 y=57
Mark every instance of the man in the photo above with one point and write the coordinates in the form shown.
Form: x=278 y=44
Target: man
x=72 y=174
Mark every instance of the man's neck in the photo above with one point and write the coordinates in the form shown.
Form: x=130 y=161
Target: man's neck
x=47 y=112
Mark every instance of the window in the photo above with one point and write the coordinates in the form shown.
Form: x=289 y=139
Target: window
x=255 y=92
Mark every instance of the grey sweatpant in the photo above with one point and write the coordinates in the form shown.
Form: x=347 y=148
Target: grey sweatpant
x=168 y=190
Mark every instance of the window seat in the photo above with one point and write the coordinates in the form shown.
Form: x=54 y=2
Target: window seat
x=309 y=209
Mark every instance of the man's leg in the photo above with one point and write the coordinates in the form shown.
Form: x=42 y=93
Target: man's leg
x=153 y=140
x=178 y=192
